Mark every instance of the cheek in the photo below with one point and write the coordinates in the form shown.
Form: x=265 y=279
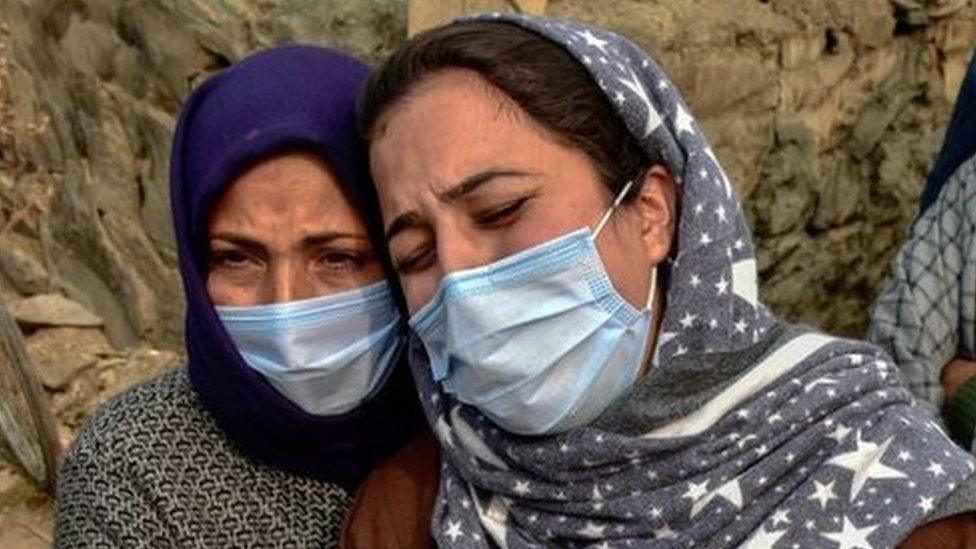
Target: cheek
x=418 y=290
x=225 y=292
x=549 y=219
x=626 y=262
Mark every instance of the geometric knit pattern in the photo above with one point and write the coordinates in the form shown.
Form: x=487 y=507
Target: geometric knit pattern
x=926 y=315
x=152 y=469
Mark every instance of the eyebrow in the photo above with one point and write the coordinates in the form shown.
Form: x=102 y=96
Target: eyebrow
x=411 y=219
x=314 y=239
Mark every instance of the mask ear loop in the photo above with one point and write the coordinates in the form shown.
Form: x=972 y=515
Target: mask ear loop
x=616 y=202
x=653 y=289
x=606 y=218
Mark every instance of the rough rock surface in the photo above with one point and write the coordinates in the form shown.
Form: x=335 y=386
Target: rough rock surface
x=826 y=113
x=59 y=354
x=52 y=310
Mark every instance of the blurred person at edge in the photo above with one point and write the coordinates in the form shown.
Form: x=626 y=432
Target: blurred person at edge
x=586 y=334
x=295 y=386
x=926 y=315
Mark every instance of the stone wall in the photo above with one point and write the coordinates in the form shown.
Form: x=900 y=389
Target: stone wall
x=827 y=114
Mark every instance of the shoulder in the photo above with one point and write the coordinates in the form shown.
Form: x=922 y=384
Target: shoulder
x=142 y=429
x=163 y=409
x=143 y=461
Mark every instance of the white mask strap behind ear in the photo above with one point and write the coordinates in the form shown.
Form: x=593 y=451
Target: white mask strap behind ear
x=653 y=289
x=606 y=218
x=613 y=207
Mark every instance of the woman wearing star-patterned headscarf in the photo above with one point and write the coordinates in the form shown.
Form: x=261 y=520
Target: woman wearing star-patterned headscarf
x=587 y=337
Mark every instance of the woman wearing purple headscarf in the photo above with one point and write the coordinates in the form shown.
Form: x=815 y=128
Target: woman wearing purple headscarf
x=294 y=388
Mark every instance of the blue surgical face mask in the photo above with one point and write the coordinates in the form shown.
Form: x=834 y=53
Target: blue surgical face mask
x=325 y=354
x=540 y=341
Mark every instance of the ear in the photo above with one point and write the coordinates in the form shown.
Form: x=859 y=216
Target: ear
x=657 y=207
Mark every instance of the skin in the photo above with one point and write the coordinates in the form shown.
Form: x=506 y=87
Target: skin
x=955 y=374
x=487 y=181
x=285 y=231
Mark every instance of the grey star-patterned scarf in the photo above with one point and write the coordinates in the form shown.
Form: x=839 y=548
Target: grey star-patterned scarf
x=794 y=439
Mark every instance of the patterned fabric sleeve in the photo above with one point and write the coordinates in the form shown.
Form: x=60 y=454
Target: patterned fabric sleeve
x=925 y=316
x=100 y=506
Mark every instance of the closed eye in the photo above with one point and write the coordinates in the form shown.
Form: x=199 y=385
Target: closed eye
x=416 y=261
x=501 y=215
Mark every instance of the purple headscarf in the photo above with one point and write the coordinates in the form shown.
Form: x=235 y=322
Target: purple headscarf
x=277 y=100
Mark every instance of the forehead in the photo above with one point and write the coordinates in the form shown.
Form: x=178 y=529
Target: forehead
x=449 y=123
x=444 y=89
x=284 y=185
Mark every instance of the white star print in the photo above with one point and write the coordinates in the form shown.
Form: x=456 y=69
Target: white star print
x=706 y=239
x=695 y=281
x=592 y=530
x=453 y=530
x=594 y=41
x=925 y=504
x=683 y=121
x=725 y=180
x=722 y=285
x=522 y=488
x=840 y=433
x=619 y=97
x=781 y=515
x=740 y=326
x=665 y=532
x=730 y=491
x=696 y=491
x=688 y=320
x=633 y=84
x=936 y=469
x=720 y=212
x=851 y=537
x=865 y=462
x=823 y=493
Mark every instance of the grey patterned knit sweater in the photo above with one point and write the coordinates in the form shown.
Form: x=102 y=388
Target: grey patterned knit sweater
x=152 y=469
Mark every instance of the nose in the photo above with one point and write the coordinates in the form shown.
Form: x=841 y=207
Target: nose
x=458 y=249
x=289 y=283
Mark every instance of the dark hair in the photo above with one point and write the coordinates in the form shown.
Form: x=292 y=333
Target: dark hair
x=538 y=74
